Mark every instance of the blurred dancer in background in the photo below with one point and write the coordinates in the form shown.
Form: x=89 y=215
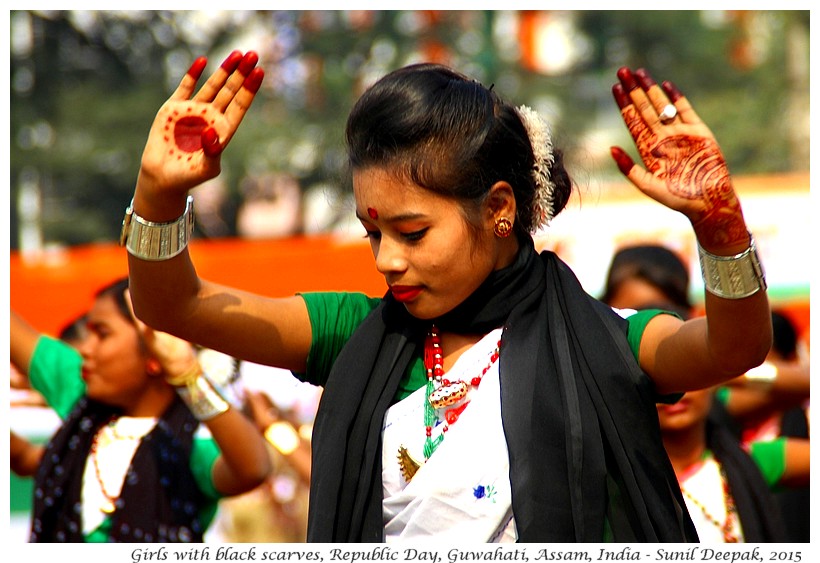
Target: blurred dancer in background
x=128 y=464
x=742 y=481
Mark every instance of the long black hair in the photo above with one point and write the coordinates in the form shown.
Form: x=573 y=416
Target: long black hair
x=657 y=265
x=116 y=290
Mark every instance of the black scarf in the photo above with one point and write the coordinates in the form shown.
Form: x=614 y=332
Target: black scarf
x=795 y=502
x=578 y=414
x=759 y=514
x=159 y=501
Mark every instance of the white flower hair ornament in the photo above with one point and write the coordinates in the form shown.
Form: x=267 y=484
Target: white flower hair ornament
x=541 y=143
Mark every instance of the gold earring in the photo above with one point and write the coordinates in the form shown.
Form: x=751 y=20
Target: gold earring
x=153 y=367
x=503 y=227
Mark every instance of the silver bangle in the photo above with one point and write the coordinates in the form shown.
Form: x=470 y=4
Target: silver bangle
x=733 y=277
x=203 y=399
x=157 y=241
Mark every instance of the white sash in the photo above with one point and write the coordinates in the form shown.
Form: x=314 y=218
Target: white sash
x=463 y=491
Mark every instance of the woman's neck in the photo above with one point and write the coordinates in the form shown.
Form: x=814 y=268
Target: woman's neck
x=508 y=250
x=454 y=345
x=152 y=402
x=685 y=447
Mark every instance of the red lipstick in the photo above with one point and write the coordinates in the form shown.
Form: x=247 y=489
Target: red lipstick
x=405 y=293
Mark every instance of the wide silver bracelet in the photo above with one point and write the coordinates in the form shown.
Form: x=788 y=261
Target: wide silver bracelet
x=733 y=277
x=157 y=241
x=202 y=398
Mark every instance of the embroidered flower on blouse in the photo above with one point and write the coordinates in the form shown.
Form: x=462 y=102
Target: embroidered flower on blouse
x=487 y=492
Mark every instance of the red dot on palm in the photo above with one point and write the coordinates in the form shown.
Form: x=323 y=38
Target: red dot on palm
x=188 y=133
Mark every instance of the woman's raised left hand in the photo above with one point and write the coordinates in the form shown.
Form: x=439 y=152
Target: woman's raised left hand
x=684 y=167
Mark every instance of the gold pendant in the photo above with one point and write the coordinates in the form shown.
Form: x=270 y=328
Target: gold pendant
x=108 y=507
x=407 y=464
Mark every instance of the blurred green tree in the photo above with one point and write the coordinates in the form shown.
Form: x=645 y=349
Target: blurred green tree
x=85 y=86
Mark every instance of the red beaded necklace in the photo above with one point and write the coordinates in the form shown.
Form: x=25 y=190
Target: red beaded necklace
x=442 y=393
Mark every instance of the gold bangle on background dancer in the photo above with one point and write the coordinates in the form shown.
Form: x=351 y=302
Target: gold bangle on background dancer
x=282 y=436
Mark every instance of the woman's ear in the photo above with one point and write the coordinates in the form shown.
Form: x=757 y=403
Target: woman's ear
x=501 y=202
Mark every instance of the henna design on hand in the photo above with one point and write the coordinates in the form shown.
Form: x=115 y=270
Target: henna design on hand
x=685 y=169
x=693 y=168
x=643 y=136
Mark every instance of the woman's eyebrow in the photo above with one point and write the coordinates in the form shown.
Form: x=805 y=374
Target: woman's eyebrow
x=393 y=218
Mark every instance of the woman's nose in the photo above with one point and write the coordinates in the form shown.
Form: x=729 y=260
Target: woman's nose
x=86 y=346
x=390 y=257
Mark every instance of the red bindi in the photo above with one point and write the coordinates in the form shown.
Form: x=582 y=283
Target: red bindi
x=373 y=213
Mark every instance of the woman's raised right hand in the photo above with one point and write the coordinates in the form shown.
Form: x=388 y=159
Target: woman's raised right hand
x=191 y=129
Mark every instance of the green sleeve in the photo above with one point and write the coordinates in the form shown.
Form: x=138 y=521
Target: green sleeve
x=722 y=394
x=204 y=452
x=634 y=334
x=333 y=319
x=55 y=372
x=770 y=457
x=637 y=324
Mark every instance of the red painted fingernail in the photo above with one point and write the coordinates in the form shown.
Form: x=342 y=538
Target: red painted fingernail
x=233 y=60
x=621 y=97
x=671 y=91
x=644 y=79
x=254 y=80
x=622 y=159
x=210 y=142
x=626 y=78
x=209 y=136
x=248 y=62
x=197 y=67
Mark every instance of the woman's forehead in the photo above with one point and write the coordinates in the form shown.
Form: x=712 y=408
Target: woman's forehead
x=105 y=307
x=378 y=192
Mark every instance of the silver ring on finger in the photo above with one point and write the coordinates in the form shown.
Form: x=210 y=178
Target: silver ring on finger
x=668 y=114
